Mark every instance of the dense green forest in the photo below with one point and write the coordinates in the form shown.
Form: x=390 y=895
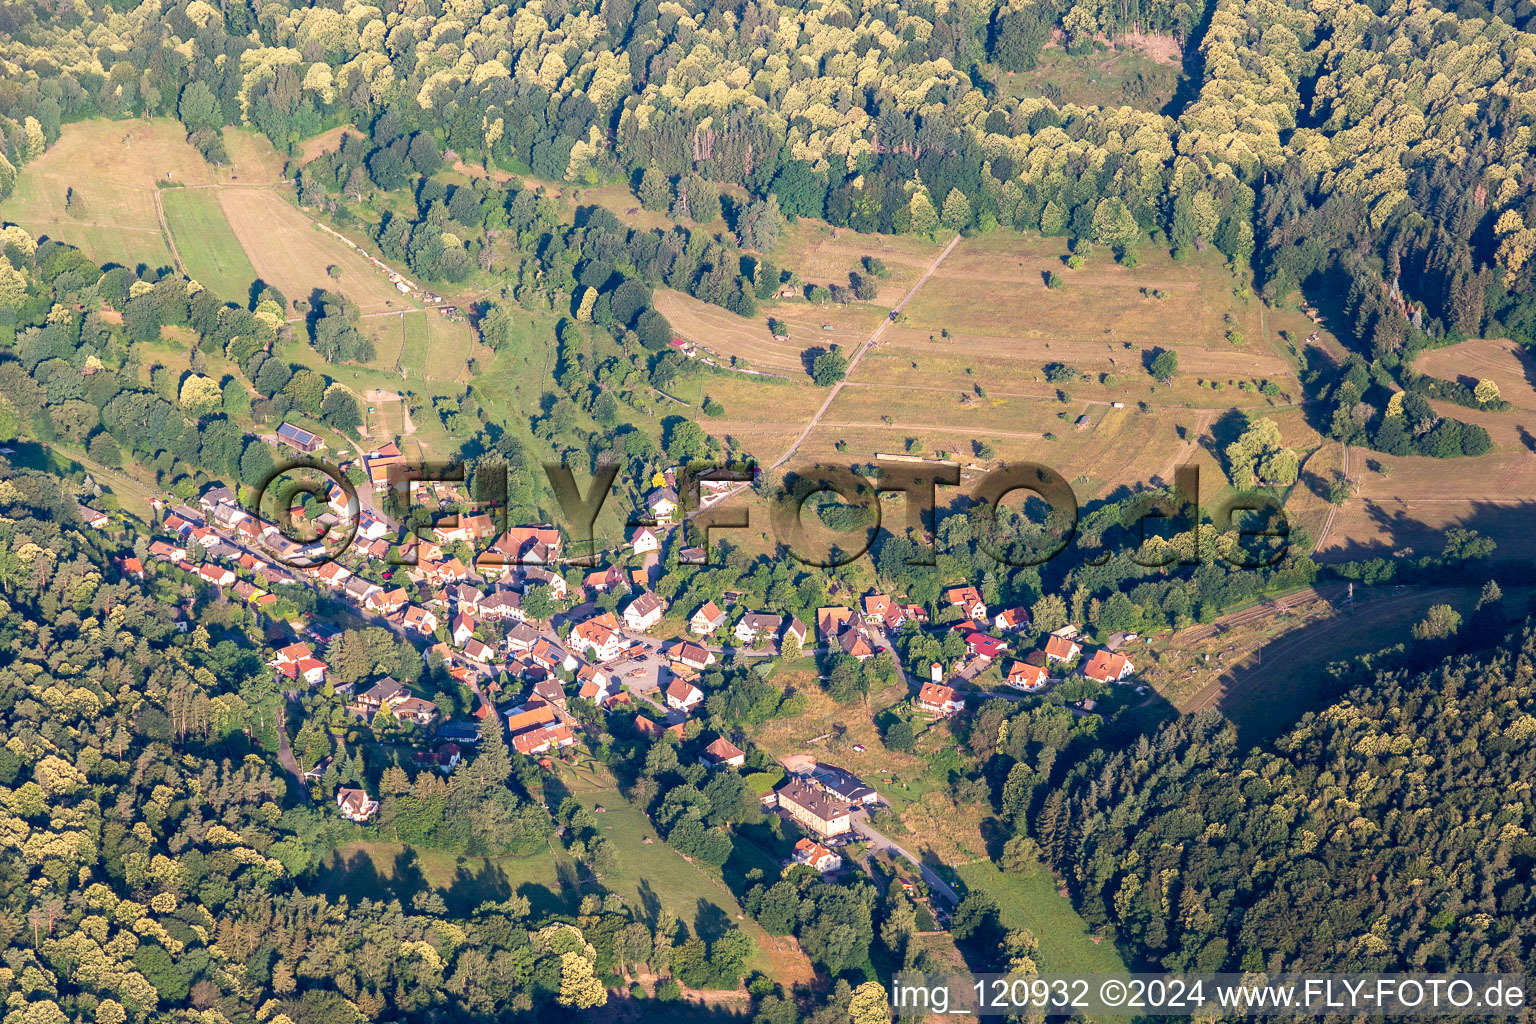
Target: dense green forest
x=1381 y=834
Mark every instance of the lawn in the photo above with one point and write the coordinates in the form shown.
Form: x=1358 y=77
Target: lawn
x=413 y=350
x=208 y=248
x=1031 y=901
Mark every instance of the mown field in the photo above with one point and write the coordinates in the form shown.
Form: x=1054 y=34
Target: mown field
x=209 y=250
x=95 y=187
x=288 y=251
x=1404 y=504
x=1031 y=900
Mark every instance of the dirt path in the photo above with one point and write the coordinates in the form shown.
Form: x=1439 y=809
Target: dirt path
x=853 y=362
x=1333 y=510
x=937 y=427
x=170 y=239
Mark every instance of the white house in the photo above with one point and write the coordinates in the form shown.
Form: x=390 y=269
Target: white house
x=645 y=540
x=644 y=612
x=684 y=696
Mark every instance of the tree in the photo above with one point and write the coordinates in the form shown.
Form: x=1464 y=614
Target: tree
x=869 y=1005
x=957 y=211
x=686 y=440
x=340 y=409
x=1113 y=224
x=801 y=191
x=199 y=107
x=1165 y=364
x=1260 y=454
x=1018 y=36
x=760 y=224
x=1438 y=623
x=829 y=367
x=654 y=190
x=580 y=987
x=201 y=395
x=1486 y=392
x=900 y=737
x=925 y=219
x=307 y=390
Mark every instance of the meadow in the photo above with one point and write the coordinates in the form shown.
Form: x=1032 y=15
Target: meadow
x=1032 y=900
x=96 y=187
x=210 y=253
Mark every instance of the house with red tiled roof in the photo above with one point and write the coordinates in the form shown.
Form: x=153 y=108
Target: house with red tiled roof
x=543 y=739
x=1011 y=619
x=1108 y=667
x=691 y=656
x=478 y=651
x=644 y=540
x=650 y=727
x=683 y=695
x=722 y=751
x=356 y=805
x=1059 y=648
x=596 y=638
x=546 y=655
x=813 y=855
x=706 y=620
x=294 y=652
x=853 y=644
x=418 y=620
x=216 y=574
x=1026 y=677
x=941 y=700
x=985 y=647
x=414 y=709
x=600 y=581
x=644 y=611
x=462 y=629
x=163 y=552
x=530 y=713
x=130 y=566
x=832 y=620
x=968 y=600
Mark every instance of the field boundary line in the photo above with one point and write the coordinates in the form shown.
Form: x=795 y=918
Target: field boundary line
x=858 y=353
x=170 y=239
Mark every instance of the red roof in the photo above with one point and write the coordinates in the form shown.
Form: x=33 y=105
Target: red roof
x=1107 y=667
x=1061 y=647
x=938 y=693
x=985 y=646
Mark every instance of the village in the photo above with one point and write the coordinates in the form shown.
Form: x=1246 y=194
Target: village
x=522 y=630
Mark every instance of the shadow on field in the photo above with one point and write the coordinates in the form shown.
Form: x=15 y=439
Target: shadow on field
x=1399 y=535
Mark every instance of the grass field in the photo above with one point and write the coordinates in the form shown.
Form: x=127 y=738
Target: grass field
x=208 y=248
x=415 y=333
x=288 y=251
x=112 y=167
x=1031 y=900
x=748 y=339
x=1266 y=673
x=1122 y=76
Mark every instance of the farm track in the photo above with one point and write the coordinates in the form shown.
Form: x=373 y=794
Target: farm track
x=1333 y=510
x=858 y=354
x=1213 y=693
x=165 y=229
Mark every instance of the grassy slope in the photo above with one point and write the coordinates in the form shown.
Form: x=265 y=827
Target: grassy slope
x=208 y=247
x=1031 y=901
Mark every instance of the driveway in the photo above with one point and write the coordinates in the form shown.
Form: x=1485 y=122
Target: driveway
x=879 y=841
